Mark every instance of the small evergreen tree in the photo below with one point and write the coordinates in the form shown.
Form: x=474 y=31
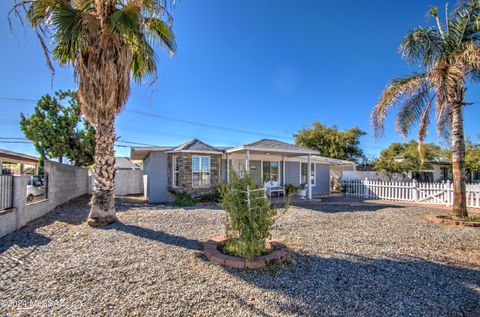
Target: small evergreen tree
x=250 y=217
x=59 y=131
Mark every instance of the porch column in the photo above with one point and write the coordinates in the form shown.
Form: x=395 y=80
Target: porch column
x=283 y=170
x=22 y=166
x=228 y=168
x=309 y=176
x=247 y=161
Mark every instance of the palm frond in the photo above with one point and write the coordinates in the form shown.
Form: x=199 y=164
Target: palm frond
x=423 y=45
x=396 y=92
x=143 y=60
x=158 y=29
x=458 y=27
x=413 y=110
x=69 y=32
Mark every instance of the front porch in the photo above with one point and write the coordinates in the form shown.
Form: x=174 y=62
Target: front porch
x=274 y=163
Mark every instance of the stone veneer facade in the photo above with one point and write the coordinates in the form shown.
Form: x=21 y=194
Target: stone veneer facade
x=184 y=161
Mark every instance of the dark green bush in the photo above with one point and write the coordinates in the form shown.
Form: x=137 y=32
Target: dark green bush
x=184 y=199
x=290 y=189
x=250 y=217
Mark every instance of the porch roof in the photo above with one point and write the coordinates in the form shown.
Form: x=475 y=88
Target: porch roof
x=14 y=157
x=274 y=146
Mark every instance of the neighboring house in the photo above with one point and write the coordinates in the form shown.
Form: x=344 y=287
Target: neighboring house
x=17 y=163
x=441 y=170
x=198 y=168
x=124 y=163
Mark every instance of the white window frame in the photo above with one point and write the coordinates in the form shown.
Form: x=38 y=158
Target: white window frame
x=201 y=157
x=279 y=170
x=174 y=171
x=314 y=169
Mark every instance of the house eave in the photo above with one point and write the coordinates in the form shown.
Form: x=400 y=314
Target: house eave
x=258 y=149
x=193 y=151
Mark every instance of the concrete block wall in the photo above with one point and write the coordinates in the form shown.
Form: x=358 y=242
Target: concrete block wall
x=128 y=182
x=64 y=183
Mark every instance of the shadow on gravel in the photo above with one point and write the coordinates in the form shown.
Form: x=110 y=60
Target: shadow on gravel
x=154 y=235
x=350 y=285
x=345 y=207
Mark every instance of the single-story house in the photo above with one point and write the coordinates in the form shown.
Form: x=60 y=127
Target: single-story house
x=197 y=167
x=441 y=170
x=17 y=163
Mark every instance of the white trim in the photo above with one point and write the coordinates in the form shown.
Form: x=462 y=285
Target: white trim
x=242 y=147
x=228 y=168
x=193 y=151
x=209 y=170
x=174 y=172
x=314 y=173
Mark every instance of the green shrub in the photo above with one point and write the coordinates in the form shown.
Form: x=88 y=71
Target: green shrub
x=250 y=217
x=209 y=198
x=184 y=199
x=290 y=189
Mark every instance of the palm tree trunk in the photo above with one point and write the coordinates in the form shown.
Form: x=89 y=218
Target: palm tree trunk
x=458 y=163
x=102 y=210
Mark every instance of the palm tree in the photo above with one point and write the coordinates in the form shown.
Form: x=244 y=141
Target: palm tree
x=106 y=42
x=449 y=56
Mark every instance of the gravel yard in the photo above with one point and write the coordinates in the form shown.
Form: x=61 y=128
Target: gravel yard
x=375 y=260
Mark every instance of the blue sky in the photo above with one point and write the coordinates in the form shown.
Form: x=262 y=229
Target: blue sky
x=267 y=66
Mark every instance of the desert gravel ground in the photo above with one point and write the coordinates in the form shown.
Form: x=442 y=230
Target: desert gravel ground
x=374 y=260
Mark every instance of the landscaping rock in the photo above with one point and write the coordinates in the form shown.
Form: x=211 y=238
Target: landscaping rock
x=345 y=261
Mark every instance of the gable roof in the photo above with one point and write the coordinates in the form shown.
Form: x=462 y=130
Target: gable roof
x=125 y=163
x=274 y=146
x=196 y=146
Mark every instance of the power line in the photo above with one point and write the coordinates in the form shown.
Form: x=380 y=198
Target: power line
x=207 y=125
x=25 y=140
x=168 y=118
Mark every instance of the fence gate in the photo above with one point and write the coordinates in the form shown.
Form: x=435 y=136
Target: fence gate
x=6 y=191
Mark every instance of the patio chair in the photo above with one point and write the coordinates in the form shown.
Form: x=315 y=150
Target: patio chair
x=274 y=187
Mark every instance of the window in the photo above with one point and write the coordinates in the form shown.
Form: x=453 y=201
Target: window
x=200 y=171
x=175 y=172
x=271 y=171
x=444 y=173
x=303 y=174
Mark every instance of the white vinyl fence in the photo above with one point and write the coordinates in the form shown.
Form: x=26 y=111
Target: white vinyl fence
x=425 y=193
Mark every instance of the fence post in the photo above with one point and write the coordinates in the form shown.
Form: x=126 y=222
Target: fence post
x=447 y=190
x=414 y=191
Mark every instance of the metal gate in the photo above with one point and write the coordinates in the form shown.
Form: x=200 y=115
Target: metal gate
x=6 y=191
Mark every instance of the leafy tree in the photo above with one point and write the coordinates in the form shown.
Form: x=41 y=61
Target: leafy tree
x=472 y=156
x=449 y=56
x=331 y=142
x=59 y=131
x=404 y=157
x=106 y=42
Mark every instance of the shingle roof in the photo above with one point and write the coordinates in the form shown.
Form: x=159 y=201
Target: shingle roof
x=269 y=144
x=122 y=162
x=195 y=145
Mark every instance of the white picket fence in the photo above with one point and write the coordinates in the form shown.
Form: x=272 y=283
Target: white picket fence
x=425 y=193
